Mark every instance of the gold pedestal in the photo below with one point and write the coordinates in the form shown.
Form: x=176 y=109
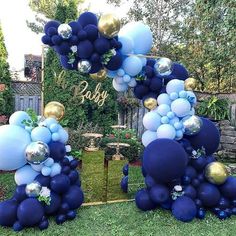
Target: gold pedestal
x=91 y=147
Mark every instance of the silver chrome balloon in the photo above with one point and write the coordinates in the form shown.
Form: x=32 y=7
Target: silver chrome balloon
x=65 y=31
x=33 y=189
x=163 y=66
x=84 y=66
x=37 y=152
x=192 y=125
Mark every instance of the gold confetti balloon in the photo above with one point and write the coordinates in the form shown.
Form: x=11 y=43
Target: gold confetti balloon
x=216 y=173
x=55 y=110
x=190 y=84
x=109 y=25
x=150 y=103
x=100 y=75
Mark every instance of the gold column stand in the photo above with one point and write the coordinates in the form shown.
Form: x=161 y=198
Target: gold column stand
x=92 y=136
x=117 y=156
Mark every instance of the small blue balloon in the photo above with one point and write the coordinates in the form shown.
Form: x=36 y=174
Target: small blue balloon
x=151 y=121
x=55 y=136
x=49 y=162
x=111 y=74
x=201 y=214
x=166 y=131
x=222 y=215
x=163 y=99
x=42 y=134
x=148 y=136
x=25 y=175
x=174 y=120
x=175 y=85
x=179 y=134
x=55 y=169
x=18 y=118
x=132 y=65
x=126 y=78
x=174 y=96
x=119 y=87
x=171 y=115
x=163 y=109
x=49 y=121
x=181 y=107
x=178 y=125
x=165 y=120
x=182 y=94
x=64 y=136
x=46 y=171
x=54 y=128
x=120 y=72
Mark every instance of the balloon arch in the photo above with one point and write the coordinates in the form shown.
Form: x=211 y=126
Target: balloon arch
x=180 y=171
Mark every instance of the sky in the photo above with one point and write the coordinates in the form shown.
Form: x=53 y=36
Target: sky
x=20 y=40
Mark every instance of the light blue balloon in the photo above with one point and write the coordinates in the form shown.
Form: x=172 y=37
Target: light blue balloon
x=165 y=120
x=119 y=87
x=64 y=136
x=55 y=136
x=192 y=111
x=49 y=121
x=127 y=45
x=46 y=171
x=29 y=128
x=18 y=117
x=140 y=34
x=25 y=175
x=163 y=99
x=181 y=107
x=178 y=125
x=179 y=134
x=126 y=78
x=151 y=121
x=182 y=94
x=192 y=97
x=13 y=142
x=174 y=120
x=143 y=60
x=132 y=83
x=111 y=74
x=49 y=162
x=70 y=158
x=174 y=96
x=41 y=134
x=55 y=169
x=175 y=85
x=119 y=80
x=166 y=131
x=132 y=65
x=163 y=109
x=37 y=168
x=170 y=114
x=148 y=136
x=121 y=72
x=54 y=128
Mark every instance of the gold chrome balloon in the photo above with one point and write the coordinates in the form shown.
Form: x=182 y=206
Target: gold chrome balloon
x=190 y=84
x=100 y=75
x=216 y=173
x=55 y=110
x=109 y=25
x=150 y=103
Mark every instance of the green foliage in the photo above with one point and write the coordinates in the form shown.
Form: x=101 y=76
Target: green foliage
x=214 y=108
x=33 y=122
x=6 y=96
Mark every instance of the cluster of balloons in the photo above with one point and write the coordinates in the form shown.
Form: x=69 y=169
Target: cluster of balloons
x=184 y=177
x=47 y=180
x=174 y=115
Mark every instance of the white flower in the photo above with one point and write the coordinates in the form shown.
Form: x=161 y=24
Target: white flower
x=73 y=48
x=194 y=153
x=113 y=51
x=178 y=188
x=45 y=192
x=68 y=148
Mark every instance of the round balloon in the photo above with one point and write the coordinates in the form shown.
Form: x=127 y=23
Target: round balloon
x=25 y=175
x=8 y=211
x=148 y=136
x=151 y=121
x=19 y=118
x=143 y=200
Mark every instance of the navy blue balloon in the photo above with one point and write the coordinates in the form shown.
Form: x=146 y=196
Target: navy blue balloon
x=228 y=189
x=125 y=169
x=228 y=211
x=85 y=49
x=115 y=63
x=17 y=226
x=149 y=71
x=96 y=67
x=44 y=225
x=65 y=162
x=88 y=18
x=71 y=215
x=223 y=203
x=75 y=26
x=143 y=200
x=144 y=172
x=60 y=219
x=167 y=205
x=57 y=150
x=118 y=45
x=159 y=193
x=198 y=203
x=51 y=31
x=186 y=145
x=199 y=163
x=185 y=180
x=195 y=182
x=64 y=208
x=52 y=23
x=190 y=191
x=140 y=91
x=201 y=214
x=8 y=211
x=20 y=194
x=179 y=71
x=30 y=212
x=155 y=85
x=74 y=197
x=92 y=32
x=65 y=170
x=147 y=82
x=124 y=184
x=43 y=180
x=233 y=210
x=151 y=62
x=102 y=45
x=74 y=163
x=208 y=194
x=165 y=160
x=190 y=172
x=73 y=40
x=222 y=215
x=201 y=177
x=65 y=63
x=55 y=204
x=216 y=210
x=73 y=176
x=184 y=209
x=210 y=159
x=95 y=58
x=60 y=183
x=63 y=49
x=208 y=137
x=82 y=35
x=47 y=40
x=56 y=39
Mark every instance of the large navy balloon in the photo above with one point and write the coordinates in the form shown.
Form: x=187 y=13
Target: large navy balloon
x=57 y=150
x=228 y=189
x=55 y=204
x=8 y=211
x=159 y=193
x=60 y=183
x=143 y=200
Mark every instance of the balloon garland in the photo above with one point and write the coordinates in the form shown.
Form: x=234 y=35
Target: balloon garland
x=180 y=172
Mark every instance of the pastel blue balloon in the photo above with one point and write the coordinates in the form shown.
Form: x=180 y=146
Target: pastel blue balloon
x=174 y=96
x=55 y=169
x=25 y=175
x=175 y=85
x=151 y=121
x=181 y=107
x=64 y=136
x=126 y=78
x=55 y=136
x=46 y=171
x=13 y=142
x=178 y=125
x=132 y=65
x=163 y=109
x=119 y=80
x=132 y=83
x=111 y=74
x=49 y=121
x=182 y=94
x=127 y=45
x=143 y=60
x=191 y=98
x=42 y=134
x=165 y=120
x=37 y=168
x=120 y=72
x=140 y=34
x=170 y=114
x=119 y=87
x=18 y=117
x=54 y=128
x=163 y=99
x=166 y=131
x=174 y=120
x=179 y=134
x=28 y=128
x=192 y=111
x=148 y=136
x=70 y=158
x=49 y=162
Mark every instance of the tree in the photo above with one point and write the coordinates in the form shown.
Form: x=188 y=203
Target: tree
x=6 y=96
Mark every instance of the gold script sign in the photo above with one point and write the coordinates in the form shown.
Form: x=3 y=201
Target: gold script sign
x=81 y=91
